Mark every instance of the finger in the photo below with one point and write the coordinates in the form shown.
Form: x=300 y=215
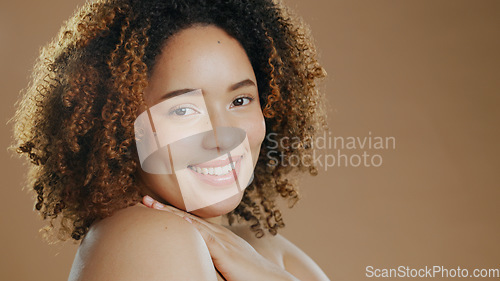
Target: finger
x=148 y=201
x=212 y=226
x=219 y=228
x=209 y=236
x=152 y=203
x=208 y=227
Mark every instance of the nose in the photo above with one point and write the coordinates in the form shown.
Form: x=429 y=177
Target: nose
x=224 y=137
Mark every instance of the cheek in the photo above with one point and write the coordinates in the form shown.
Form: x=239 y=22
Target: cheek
x=163 y=188
x=255 y=128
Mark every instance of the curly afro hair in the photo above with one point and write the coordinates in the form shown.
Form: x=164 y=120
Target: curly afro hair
x=75 y=119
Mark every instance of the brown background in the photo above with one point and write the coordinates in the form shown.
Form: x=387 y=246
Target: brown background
x=425 y=72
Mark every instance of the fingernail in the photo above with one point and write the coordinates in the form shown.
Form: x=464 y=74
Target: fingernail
x=188 y=219
x=148 y=200
x=158 y=205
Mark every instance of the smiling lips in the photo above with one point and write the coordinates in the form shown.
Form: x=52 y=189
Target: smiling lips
x=216 y=167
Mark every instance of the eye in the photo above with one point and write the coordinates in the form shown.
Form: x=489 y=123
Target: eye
x=182 y=111
x=241 y=101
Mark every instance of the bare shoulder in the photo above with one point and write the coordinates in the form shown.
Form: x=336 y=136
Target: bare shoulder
x=139 y=243
x=284 y=253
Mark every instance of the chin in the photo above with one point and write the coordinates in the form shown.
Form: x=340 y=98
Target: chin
x=220 y=208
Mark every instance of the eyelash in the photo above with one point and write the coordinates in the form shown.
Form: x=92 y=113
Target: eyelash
x=177 y=107
x=250 y=98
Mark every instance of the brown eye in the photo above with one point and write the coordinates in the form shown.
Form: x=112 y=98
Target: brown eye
x=241 y=101
x=238 y=102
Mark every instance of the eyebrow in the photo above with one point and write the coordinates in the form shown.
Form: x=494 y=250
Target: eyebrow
x=234 y=87
x=241 y=84
x=176 y=93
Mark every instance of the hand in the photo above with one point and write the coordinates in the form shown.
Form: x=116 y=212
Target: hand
x=233 y=257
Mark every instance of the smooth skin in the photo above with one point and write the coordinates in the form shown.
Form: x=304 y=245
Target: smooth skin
x=154 y=241
x=239 y=255
x=141 y=243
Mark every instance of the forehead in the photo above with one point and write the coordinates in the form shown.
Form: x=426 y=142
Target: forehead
x=203 y=57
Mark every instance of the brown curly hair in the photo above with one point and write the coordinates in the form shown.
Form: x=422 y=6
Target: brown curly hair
x=75 y=119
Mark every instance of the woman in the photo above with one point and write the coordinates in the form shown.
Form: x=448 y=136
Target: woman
x=171 y=102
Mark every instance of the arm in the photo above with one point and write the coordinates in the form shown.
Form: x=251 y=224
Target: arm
x=139 y=243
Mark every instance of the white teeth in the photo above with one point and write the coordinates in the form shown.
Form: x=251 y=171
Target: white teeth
x=215 y=171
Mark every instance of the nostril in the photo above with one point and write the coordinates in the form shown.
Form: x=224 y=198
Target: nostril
x=209 y=141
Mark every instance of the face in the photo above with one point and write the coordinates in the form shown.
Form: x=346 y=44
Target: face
x=199 y=139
